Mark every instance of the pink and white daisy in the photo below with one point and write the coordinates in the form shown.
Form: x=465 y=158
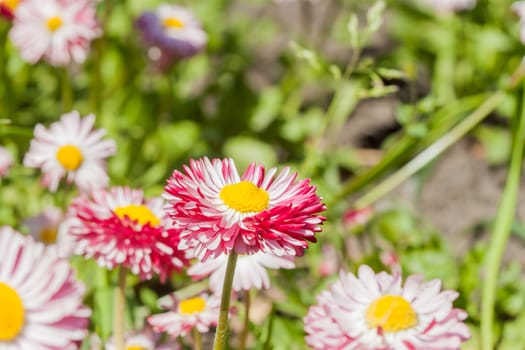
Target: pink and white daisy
x=44 y=226
x=59 y=31
x=40 y=300
x=219 y=211
x=376 y=312
x=145 y=339
x=71 y=148
x=448 y=6
x=121 y=227
x=201 y=312
x=6 y=161
x=250 y=270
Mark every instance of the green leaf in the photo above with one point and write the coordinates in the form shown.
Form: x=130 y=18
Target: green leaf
x=246 y=150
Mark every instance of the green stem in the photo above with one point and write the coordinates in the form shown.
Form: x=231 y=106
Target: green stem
x=222 y=326
x=119 y=315
x=197 y=339
x=66 y=91
x=246 y=323
x=431 y=152
x=501 y=231
x=441 y=121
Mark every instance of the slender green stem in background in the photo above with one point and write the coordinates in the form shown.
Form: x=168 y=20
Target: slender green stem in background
x=222 y=326
x=431 y=152
x=119 y=314
x=501 y=231
x=197 y=339
x=246 y=323
x=66 y=90
x=440 y=122
x=316 y=149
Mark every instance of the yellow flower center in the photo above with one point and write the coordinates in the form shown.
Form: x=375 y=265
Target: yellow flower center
x=10 y=4
x=173 y=22
x=245 y=197
x=70 y=157
x=139 y=213
x=392 y=313
x=11 y=313
x=192 y=305
x=48 y=235
x=54 y=23
x=135 y=347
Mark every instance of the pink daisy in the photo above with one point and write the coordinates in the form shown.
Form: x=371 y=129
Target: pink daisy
x=40 y=300
x=121 y=227
x=219 y=211
x=201 y=312
x=6 y=161
x=60 y=31
x=71 y=148
x=250 y=270
x=376 y=312
x=44 y=226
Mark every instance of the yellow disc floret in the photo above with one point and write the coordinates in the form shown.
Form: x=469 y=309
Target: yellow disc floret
x=392 y=313
x=11 y=313
x=245 y=197
x=70 y=157
x=135 y=347
x=54 y=23
x=48 y=235
x=173 y=22
x=192 y=306
x=139 y=213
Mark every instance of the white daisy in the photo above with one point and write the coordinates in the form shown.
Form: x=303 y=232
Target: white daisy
x=250 y=270
x=71 y=148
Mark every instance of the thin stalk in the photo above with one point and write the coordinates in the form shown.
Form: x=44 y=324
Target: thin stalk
x=66 y=90
x=431 y=152
x=119 y=315
x=246 y=323
x=317 y=147
x=197 y=339
x=222 y=326
x=501 y=231
x=441 y=121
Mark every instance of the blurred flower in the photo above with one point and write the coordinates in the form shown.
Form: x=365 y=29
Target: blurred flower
x=145 y=339
x=7 y=8
x=447 y=6
x=6 y=161
x=40 y=300
x=329 y=263
x=391 y=260
x=374 y=311
x=201 y=312
x=121 y=227
x=250 y=270
x=519 y=8
x=44 y=226
x=218 y=211
x=171 y=33
x=59 y=31
x=71 y=148
x=357 y=217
